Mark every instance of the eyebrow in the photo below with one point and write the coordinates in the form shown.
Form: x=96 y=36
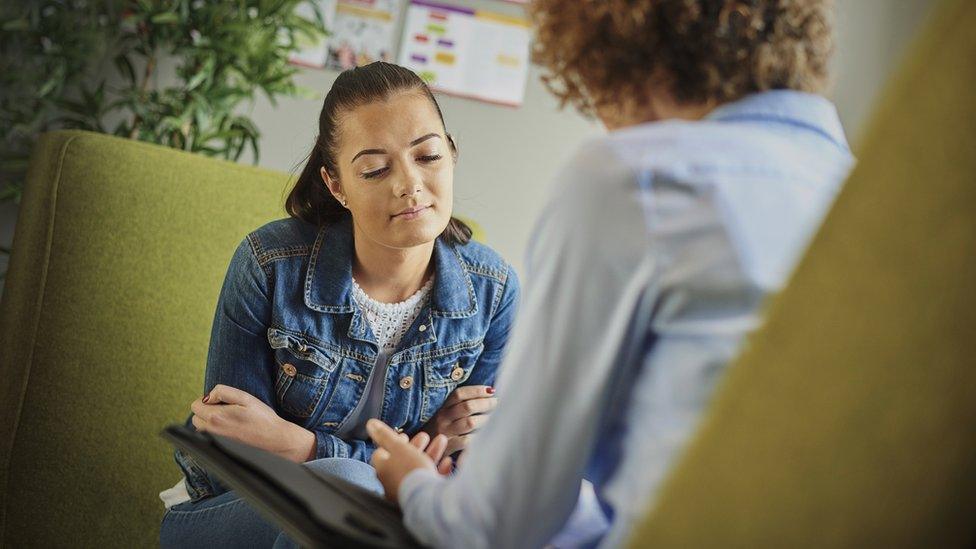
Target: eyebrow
x=413 y=143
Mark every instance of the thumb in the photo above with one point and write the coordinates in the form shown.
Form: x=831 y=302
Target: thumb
x=383 y=435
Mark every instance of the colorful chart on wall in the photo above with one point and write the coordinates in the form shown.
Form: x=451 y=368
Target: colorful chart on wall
x=362 y=31
x=471 y=53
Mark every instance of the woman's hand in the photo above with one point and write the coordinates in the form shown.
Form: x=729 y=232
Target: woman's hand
x=239 y=415
x=396 y=456
x=465 y=411
x=435 y=449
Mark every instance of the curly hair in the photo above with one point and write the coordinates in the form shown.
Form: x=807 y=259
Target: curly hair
x=597 y=52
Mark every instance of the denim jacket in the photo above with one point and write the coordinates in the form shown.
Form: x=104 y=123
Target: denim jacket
x=287 y=331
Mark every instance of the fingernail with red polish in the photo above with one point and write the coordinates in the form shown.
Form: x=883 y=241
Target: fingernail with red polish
x=206 y=397
x=490 y=390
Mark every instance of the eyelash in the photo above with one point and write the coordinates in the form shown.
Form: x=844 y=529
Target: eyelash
x=377 y=173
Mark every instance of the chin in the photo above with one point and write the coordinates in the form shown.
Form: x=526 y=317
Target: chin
x=414 y=237
x=408 y=237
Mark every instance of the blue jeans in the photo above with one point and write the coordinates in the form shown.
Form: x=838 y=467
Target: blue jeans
x=226 y=520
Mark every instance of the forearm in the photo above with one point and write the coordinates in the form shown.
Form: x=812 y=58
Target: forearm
x=300 y=445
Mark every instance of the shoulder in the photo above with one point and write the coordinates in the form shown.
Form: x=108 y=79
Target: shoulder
x=282 y=237
x=482 y=261
x=588 y=191
x=593 y=171
x=594 y=219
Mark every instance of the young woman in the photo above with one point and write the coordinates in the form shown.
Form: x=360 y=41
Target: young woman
x=370 y=301
x=649 y=263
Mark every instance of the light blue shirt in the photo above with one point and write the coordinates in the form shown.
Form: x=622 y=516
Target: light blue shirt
x=649 y=264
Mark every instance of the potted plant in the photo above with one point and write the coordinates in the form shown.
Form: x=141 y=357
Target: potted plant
x=93 y=65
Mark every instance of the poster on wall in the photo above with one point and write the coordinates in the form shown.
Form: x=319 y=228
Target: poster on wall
x=312 y=53
x=465 y=52
x=361 y=31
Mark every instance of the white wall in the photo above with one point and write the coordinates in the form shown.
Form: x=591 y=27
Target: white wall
x=508 y=156
x=871 y=38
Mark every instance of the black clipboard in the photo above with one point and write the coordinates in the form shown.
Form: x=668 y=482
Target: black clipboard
x=315 y=510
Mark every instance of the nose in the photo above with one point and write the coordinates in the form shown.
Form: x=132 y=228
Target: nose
x=410 y=184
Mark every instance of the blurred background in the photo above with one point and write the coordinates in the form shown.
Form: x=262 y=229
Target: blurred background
x=508 y=154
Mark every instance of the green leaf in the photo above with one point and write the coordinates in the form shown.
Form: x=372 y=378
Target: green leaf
x=304 y=92
x=124 y=66
x=254 y=149
x=165 y=18
x=16 y=25
x=204 y=74
x=54 y=82
x=11 y=192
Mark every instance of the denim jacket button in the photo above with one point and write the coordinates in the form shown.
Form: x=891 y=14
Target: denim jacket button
x=457 y=373
x=423 y=328
x=406 y=382
x=289 y=369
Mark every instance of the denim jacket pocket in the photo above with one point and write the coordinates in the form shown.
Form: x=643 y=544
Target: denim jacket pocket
x=442 y=374
x=304 y=372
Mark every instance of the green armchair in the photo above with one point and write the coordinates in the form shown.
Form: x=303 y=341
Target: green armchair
x=119 y=253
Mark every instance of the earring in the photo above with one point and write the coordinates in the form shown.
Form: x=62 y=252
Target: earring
x=344 y=203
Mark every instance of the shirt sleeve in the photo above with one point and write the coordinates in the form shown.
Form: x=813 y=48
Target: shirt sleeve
x=486 y=370
x=328 y=445
x=239 y=355
x=588 y=263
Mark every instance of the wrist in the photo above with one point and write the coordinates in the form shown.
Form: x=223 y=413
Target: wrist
x=412 y=481
x=301 y=444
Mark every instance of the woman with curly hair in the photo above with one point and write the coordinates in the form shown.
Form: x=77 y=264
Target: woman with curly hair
x=649 y=264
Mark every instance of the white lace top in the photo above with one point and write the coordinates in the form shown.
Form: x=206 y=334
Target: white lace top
x=390 y=321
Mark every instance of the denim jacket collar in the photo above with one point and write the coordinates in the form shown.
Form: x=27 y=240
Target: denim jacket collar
x=328 y=282
x=789 y=107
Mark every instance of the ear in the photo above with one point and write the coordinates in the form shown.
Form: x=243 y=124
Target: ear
x=332 y=184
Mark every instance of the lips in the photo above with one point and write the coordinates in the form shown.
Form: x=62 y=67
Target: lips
x=412 y=212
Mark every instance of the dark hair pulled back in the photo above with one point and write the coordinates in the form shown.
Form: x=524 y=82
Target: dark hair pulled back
x=310 y=200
